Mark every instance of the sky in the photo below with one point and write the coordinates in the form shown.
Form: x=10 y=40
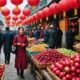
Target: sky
x=10 y=6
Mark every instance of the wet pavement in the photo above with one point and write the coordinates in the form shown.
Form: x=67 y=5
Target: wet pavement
x=10 y=72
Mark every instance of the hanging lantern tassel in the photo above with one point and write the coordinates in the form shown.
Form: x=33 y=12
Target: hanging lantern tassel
x=0 y=8
x=40 y=20
x=36 y=21
x=4 y=17
x=33 y=8
x=16 y=7
x=54 y=16
x=64 y=14
x=47 y=18
x=75 y=11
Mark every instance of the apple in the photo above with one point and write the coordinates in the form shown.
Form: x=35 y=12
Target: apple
x=64 y=78
x=77 y=59
x=52 y=66
x=57 y=72
x=68 y=76
x=71 y=62
x=73 y=68
x=78 y=71
x=77 y=65
x=62 y=74
x=67 y=69
x=73 y=74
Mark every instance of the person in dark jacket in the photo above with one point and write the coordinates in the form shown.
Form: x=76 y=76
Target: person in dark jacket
x=1 y=40
x=46 y=35
x=59 y=34
x=51 y=37
x=70 y=38
x=7 y=41
x=21 y=42
x=36 y=34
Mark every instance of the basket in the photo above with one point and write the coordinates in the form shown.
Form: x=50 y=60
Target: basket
x=39 y=65
x=52 y=74
x=29 y=53
x=76 y=49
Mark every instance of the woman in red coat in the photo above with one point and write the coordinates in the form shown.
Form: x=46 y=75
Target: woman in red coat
x=21 y=42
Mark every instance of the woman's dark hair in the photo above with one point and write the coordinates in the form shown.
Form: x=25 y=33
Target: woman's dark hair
x=20 y=28
x=7 y=28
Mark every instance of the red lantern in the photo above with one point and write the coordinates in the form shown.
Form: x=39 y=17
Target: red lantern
x=8 y=18
x=22 y=17
x=35 y=17
x=2 y=3
x=33 y=2
x=75 y=3
x=40 y=14
x=26 y=11
x=5 y=11
x=16 y=11
x=15 y=18
x=46 y=11
x=54 y=8
x=16 y=2
x=65 y=4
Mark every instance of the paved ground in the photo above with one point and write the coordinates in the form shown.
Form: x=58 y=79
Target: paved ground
x=10 y=72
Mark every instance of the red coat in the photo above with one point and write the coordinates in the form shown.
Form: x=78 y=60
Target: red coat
x=21 y=58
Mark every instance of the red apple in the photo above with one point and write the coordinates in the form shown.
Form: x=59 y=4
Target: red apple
x=77 y=59
x=57 y=72
x=62 y=74
x=77 y=65
x=71 y=62
x=67 y=69
x=73 y=74
x=68 y=76
x=73 y=68
x=52 y=66
x=78 y=71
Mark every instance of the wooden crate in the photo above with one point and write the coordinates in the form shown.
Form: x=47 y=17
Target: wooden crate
x=52 y=74
x=39 y=65
x=76 y=49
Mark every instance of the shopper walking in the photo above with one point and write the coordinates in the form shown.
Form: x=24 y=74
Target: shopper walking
x=70 y=38
x=51 y=37
x=20 y=41
x=36 y=34
x=46 y=35
x=1 y=40
x=58 y=37
x=7 y=41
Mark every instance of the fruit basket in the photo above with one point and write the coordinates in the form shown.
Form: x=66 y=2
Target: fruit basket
x=77 y=47
x=65 y=51
x=39 y=65
x=52 y=74
x=29 y=53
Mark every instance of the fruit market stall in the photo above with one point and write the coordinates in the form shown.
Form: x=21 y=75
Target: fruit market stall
x=69 y=69
x=39 y=62
x=2 y=71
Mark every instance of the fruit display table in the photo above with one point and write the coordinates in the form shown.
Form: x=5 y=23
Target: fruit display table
x=39 y=73
x=67 y=52
x=2 y=71
x=77 y=47
x=69 y=69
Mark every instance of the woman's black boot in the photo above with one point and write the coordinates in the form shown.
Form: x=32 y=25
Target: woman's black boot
x=17 y=71
x=21 y=74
